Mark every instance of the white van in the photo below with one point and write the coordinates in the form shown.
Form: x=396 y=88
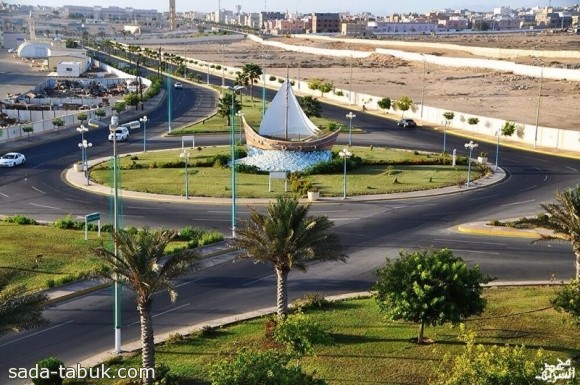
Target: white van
x=132 y=125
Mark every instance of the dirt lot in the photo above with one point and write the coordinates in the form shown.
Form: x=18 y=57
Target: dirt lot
x=482 y=92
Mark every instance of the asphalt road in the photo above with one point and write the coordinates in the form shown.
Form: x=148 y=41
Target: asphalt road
x=370 y=231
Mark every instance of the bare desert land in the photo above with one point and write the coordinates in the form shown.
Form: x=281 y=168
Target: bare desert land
x=476 y=91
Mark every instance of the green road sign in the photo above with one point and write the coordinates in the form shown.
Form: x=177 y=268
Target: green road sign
x=93 y=217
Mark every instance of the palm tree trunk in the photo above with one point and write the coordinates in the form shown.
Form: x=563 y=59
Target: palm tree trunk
x=147 y=344
x=421 y=332
x=577 y=252
x=281 y=293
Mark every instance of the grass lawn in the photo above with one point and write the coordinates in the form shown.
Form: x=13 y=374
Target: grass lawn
x=66 y=256
x=143 y=172
x=370 y=350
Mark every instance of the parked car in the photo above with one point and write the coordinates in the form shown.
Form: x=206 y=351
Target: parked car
x=12 y=159
x=122 y=134
x=132 y=125
x=407 y=123
x=178 y=85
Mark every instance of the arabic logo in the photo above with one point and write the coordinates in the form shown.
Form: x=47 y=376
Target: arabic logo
x=562 y=371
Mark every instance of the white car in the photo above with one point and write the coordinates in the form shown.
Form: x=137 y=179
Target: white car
x=12 y=159
x=178 y=85
x=122 y=134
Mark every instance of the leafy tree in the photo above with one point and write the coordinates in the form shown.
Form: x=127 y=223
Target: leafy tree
x=82 y=117
x=251 y=72
x=429 y=287
x=53 y=365
x=28 y=129
x=225 y=106
x=287 y=238
x=564 y=221
x=385 y=104
x=448 y=117
x=485 y=365
x=508 y=129
x=132 y=99
x=58 y=123
x=19 y=310
x=311 y=106
x=404 y=104
x=472 y=121
x=325 y=87
x=119 y=107
x=260 y=368
x=568 y=300
x=100 y=112
x=142 y=264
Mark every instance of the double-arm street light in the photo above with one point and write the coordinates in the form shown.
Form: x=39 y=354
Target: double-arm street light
x=144 y=120
x=83 y=145
x=471 y=146
x=350 y=116
x=234 y=89
x=185 y=155
x=344 y=154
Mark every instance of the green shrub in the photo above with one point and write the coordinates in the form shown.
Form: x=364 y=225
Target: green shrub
x=220 y=160
x=299 y=333
x=51 y=366
x=21 y=220
x=68 y=223
x=248 y=169
x=163 y=376
x=310 y=301
x=568 y=300
x=272 y=78
x=486 y=365
x=299 y=184
x=209 y=237
x=188 y=233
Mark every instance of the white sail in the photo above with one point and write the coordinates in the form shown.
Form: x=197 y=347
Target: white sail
x=285 y=118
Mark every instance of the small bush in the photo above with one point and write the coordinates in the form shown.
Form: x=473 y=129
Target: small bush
x=299 y=184
x=163 y=376
x=248 y=169
x=52 y=364
x=272 y=78
x=299 y=334
x=21 y=220
x=174 y=337
x=310 y=301
x=207 y=331
x=220 y=161
x=188 y=233
x=67 y=223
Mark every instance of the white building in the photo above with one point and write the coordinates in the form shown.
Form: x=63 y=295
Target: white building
x=69 y=69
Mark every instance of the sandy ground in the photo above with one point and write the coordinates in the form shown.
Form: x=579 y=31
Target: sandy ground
x=483 y=92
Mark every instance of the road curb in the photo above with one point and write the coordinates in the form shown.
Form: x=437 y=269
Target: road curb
x=471 y=228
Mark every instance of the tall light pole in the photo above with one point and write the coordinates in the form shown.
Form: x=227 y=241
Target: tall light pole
x=350 y=116
x=445 y=136
x=144 y=120
x=497 y=133
x=240 y=114
x=185 y=155
x=470 y=146
x=234 y=89
x=83 y=146
x=538 y=109
x=344 y=154
x=117 y=288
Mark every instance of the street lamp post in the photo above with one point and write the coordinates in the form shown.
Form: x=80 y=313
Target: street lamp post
x=83 y=145
x=144 y=120
x=344 y=154
x=240 y=114
x=497 y=133
x=470 y=146
x=350 y=116
x=234 y=89
x=185 y=155
x=117 y=288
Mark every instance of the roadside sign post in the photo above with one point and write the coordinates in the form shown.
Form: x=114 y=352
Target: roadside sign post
x=278 y=175
x=91 y=218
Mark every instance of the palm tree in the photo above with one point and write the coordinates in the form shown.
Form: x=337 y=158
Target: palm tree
x=251 y=72
x=19 y=310
x=287 y=238
x=139 y=264
x=564 y=221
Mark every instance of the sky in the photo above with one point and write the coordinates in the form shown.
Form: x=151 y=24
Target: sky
x=377 y=7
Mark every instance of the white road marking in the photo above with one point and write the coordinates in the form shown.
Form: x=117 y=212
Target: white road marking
x=476 y=251
x=46 y=207
x=529 y=188
x=37 y=333
x=258 y=280
x=39 y=190
x=518 y=203
x=162 y=313
x=4 y=195
x=570 y=168
x=471 y=242
x=188 y=282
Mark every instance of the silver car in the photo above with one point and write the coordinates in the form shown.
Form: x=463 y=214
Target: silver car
x=12 y=159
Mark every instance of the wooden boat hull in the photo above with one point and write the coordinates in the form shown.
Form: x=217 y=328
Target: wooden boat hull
x=256 y=140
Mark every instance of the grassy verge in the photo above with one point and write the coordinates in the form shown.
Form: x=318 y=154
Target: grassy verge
x=147 y=172
x=55 y=257
x=369 y=350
